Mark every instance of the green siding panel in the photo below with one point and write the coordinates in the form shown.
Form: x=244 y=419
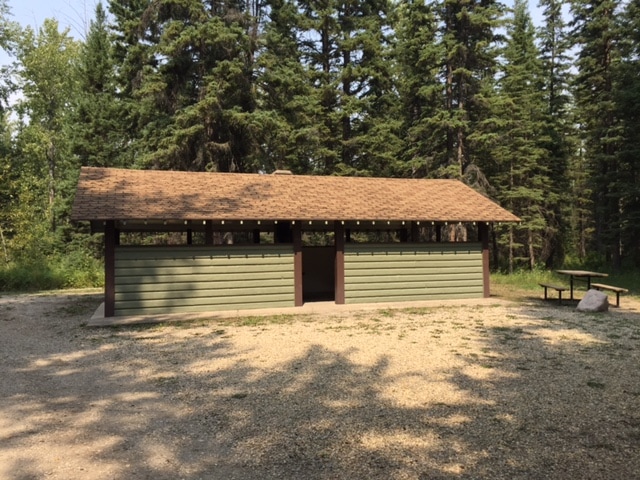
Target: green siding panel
x=409 y=272
x=155 y=280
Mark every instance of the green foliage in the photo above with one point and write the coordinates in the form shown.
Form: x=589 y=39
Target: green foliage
x=524 y=279
x=451 y=89
x=520 y=168
x=97 y=137
x=596 y=31
x=56 y=272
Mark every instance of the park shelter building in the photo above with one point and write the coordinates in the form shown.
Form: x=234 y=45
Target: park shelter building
x=306 y=238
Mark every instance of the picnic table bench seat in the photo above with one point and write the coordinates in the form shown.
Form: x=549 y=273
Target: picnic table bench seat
x=557 y=288
x=616 y=290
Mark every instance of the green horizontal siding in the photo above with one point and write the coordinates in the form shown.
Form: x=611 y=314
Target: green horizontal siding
x=407 y=272
x=153 y=280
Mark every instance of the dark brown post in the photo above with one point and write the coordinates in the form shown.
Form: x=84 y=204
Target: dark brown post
x=189 y=237
x=297 y=265
x=256 y=235
x=208 y=233
x=110 y=242
x=483 y=234
x=339 y=280
x=438 y=233
x=404 y=235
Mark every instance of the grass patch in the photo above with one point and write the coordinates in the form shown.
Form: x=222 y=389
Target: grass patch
x=521 y=284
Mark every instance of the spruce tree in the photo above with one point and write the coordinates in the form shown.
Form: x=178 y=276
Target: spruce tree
x=97 y=133
x=628 y=104
x=196 y=101
x=345 y=47
x=556 y=65
x=417 y=55
x=287 y=108
x=596 y=34
x=469 y=40
x=523 y=175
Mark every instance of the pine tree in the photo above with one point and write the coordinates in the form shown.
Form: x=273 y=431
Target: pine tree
x=417 y=55
x=345 y=48
x=469 y=40
x=628 y=105
x=556 y=66
x=97 y=134
x=196 y=97
x=287 y=108
x=523 y=170
x=596 y=33
x=132 y=39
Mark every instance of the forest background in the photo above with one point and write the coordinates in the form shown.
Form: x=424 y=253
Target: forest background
x=542 y=120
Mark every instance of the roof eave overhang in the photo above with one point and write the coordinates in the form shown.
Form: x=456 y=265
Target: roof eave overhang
x=182 y=225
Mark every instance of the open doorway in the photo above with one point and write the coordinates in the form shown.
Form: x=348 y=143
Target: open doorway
x=318 y=274
x=318 y=267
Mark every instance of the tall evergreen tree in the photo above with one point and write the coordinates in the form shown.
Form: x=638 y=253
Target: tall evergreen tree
x=628 y=106
x=556 y=66
x=287 y=108
x=523 y=175
x=97 y=134
x=345 y=48
x=596 y=34
x=197 y=95
x=133 y=39
x=417 y=55
x=469 y=40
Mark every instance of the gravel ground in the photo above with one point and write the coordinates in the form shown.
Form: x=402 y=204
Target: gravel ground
x=506 y=391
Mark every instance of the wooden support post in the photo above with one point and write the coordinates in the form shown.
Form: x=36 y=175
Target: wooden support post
x=404 y=235
x=256 y=235
x=189 y=237
x=438 y=233
x=483 y=234
x=110 y=241
x=297 y=265
x=339 y=270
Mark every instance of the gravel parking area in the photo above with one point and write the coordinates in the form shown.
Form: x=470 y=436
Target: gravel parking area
x=526 y=390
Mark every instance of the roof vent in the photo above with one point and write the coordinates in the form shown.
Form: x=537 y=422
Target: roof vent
x=282 y=172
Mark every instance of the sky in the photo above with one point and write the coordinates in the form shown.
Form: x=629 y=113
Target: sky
x=75 y=14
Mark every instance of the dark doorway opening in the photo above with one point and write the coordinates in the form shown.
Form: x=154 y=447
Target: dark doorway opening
x=318 y=273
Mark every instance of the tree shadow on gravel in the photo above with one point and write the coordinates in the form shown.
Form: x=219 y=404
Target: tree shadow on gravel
x=548 y=396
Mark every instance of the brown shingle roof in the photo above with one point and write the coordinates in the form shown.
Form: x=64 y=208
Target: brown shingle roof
x=117 y=194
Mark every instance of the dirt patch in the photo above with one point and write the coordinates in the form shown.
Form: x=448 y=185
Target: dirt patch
x=522 y=391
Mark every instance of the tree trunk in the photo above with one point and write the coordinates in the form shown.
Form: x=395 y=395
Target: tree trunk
x=532 y=253
x=4 y=246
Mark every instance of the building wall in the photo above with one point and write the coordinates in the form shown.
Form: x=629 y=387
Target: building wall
x=150 y=280
x=408 y=271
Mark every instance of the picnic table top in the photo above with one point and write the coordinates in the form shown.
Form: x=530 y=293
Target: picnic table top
x=581 y=273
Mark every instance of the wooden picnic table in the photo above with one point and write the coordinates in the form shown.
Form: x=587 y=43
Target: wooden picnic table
x=581 y=275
